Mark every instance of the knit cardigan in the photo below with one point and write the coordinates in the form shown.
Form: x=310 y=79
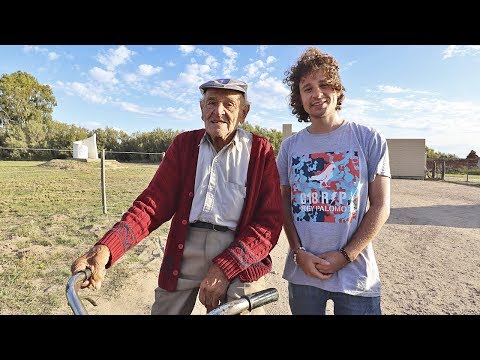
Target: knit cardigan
x=170 y=193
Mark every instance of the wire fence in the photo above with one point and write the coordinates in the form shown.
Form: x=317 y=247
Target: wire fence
x=20 y=153
x=109 y=184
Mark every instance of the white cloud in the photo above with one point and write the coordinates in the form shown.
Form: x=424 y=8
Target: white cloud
x=461 y=50
x=148 y=70
x=392 y=89
x=34 y=48
x=103 y=76
x=86 y=91
x=195 y=74
x=186 y=49
x=53 y=56
x=261 y=50
x=229 y=61
x=169 y=112
x=201 y=52
x=131 y=77
x=115 y=57
x=271 y=59
x=269 y=93
x=253 y=69
x=211 y=62
x=183 y=90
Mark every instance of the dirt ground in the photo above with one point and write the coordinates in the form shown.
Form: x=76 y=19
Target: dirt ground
x=428 y=254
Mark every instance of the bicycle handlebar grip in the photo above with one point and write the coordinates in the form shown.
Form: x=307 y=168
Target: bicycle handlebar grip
x=261 y=298
x=73 y=285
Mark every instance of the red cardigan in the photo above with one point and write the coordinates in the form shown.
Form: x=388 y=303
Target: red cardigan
x=170 y=193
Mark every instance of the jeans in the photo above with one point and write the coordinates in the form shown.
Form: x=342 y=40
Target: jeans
x=310 y=300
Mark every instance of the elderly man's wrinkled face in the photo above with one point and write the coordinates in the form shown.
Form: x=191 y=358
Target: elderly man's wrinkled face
x=222 y=112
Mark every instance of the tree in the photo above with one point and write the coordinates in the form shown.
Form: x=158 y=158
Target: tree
x=433 y=154
x=472 y=155
x=275 y=137
x=62 y=136
x=110 y=138
x=23 y=100
x=14 y=137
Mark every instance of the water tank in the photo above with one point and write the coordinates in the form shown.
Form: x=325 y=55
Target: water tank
x=80 y=151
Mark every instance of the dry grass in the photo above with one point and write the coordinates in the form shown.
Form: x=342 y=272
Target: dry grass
x=52 y=213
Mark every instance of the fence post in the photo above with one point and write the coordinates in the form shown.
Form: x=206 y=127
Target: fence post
x=104 y=194
x=443 y=170
x=434 y=170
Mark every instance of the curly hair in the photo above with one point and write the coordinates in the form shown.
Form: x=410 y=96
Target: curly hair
x=312 y=60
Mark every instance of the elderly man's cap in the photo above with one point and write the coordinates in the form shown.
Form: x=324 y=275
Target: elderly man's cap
x=229 y=84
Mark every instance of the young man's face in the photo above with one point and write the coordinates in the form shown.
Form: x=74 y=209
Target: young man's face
x=319 y=99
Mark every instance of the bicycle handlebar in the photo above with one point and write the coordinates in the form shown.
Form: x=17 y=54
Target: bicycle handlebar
x=233 y=307
x=246 y=302
x=73 y=285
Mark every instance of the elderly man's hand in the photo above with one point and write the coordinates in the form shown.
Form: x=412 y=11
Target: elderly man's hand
x=213 y=288
x=95 y=259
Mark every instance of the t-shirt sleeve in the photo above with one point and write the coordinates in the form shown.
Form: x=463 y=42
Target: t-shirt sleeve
x=282 y=163
x=378 y=160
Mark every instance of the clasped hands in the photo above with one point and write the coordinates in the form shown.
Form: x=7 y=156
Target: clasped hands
x=321 y=266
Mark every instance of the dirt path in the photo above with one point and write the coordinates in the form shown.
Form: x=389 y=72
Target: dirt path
x=428 y=255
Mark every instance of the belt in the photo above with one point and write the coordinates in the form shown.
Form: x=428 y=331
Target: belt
x=205 y=225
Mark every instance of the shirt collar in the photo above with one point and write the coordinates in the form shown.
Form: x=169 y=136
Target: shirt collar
x=235 y=140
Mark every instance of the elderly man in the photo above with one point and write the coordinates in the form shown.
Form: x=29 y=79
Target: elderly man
x=221 y=186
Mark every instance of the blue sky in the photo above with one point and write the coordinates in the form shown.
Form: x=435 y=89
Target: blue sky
x=405 y=91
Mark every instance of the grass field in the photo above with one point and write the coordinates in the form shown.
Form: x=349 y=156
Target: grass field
x=51 y=213
x=462 y=179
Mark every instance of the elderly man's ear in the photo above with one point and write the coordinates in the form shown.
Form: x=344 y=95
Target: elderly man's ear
x=244 y=113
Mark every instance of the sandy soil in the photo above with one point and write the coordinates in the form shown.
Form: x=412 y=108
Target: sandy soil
x=428 y=255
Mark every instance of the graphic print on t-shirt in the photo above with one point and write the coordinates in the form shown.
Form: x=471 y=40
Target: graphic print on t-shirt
x=325 y=187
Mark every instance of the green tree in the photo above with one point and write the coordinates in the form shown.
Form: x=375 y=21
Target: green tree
x=61 y=136
x=24 y=100
x=433 y=154
x=14 y=137
x=274 y=136
x=110 y=138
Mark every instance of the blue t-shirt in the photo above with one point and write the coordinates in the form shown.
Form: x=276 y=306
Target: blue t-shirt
x=329 y=175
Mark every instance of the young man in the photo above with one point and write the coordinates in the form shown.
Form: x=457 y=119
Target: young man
x=329 y=173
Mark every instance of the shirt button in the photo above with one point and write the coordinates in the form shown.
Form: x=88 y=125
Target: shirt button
x=190 y=194
x=180 y=246
x=175 y=272
x=184 y=222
